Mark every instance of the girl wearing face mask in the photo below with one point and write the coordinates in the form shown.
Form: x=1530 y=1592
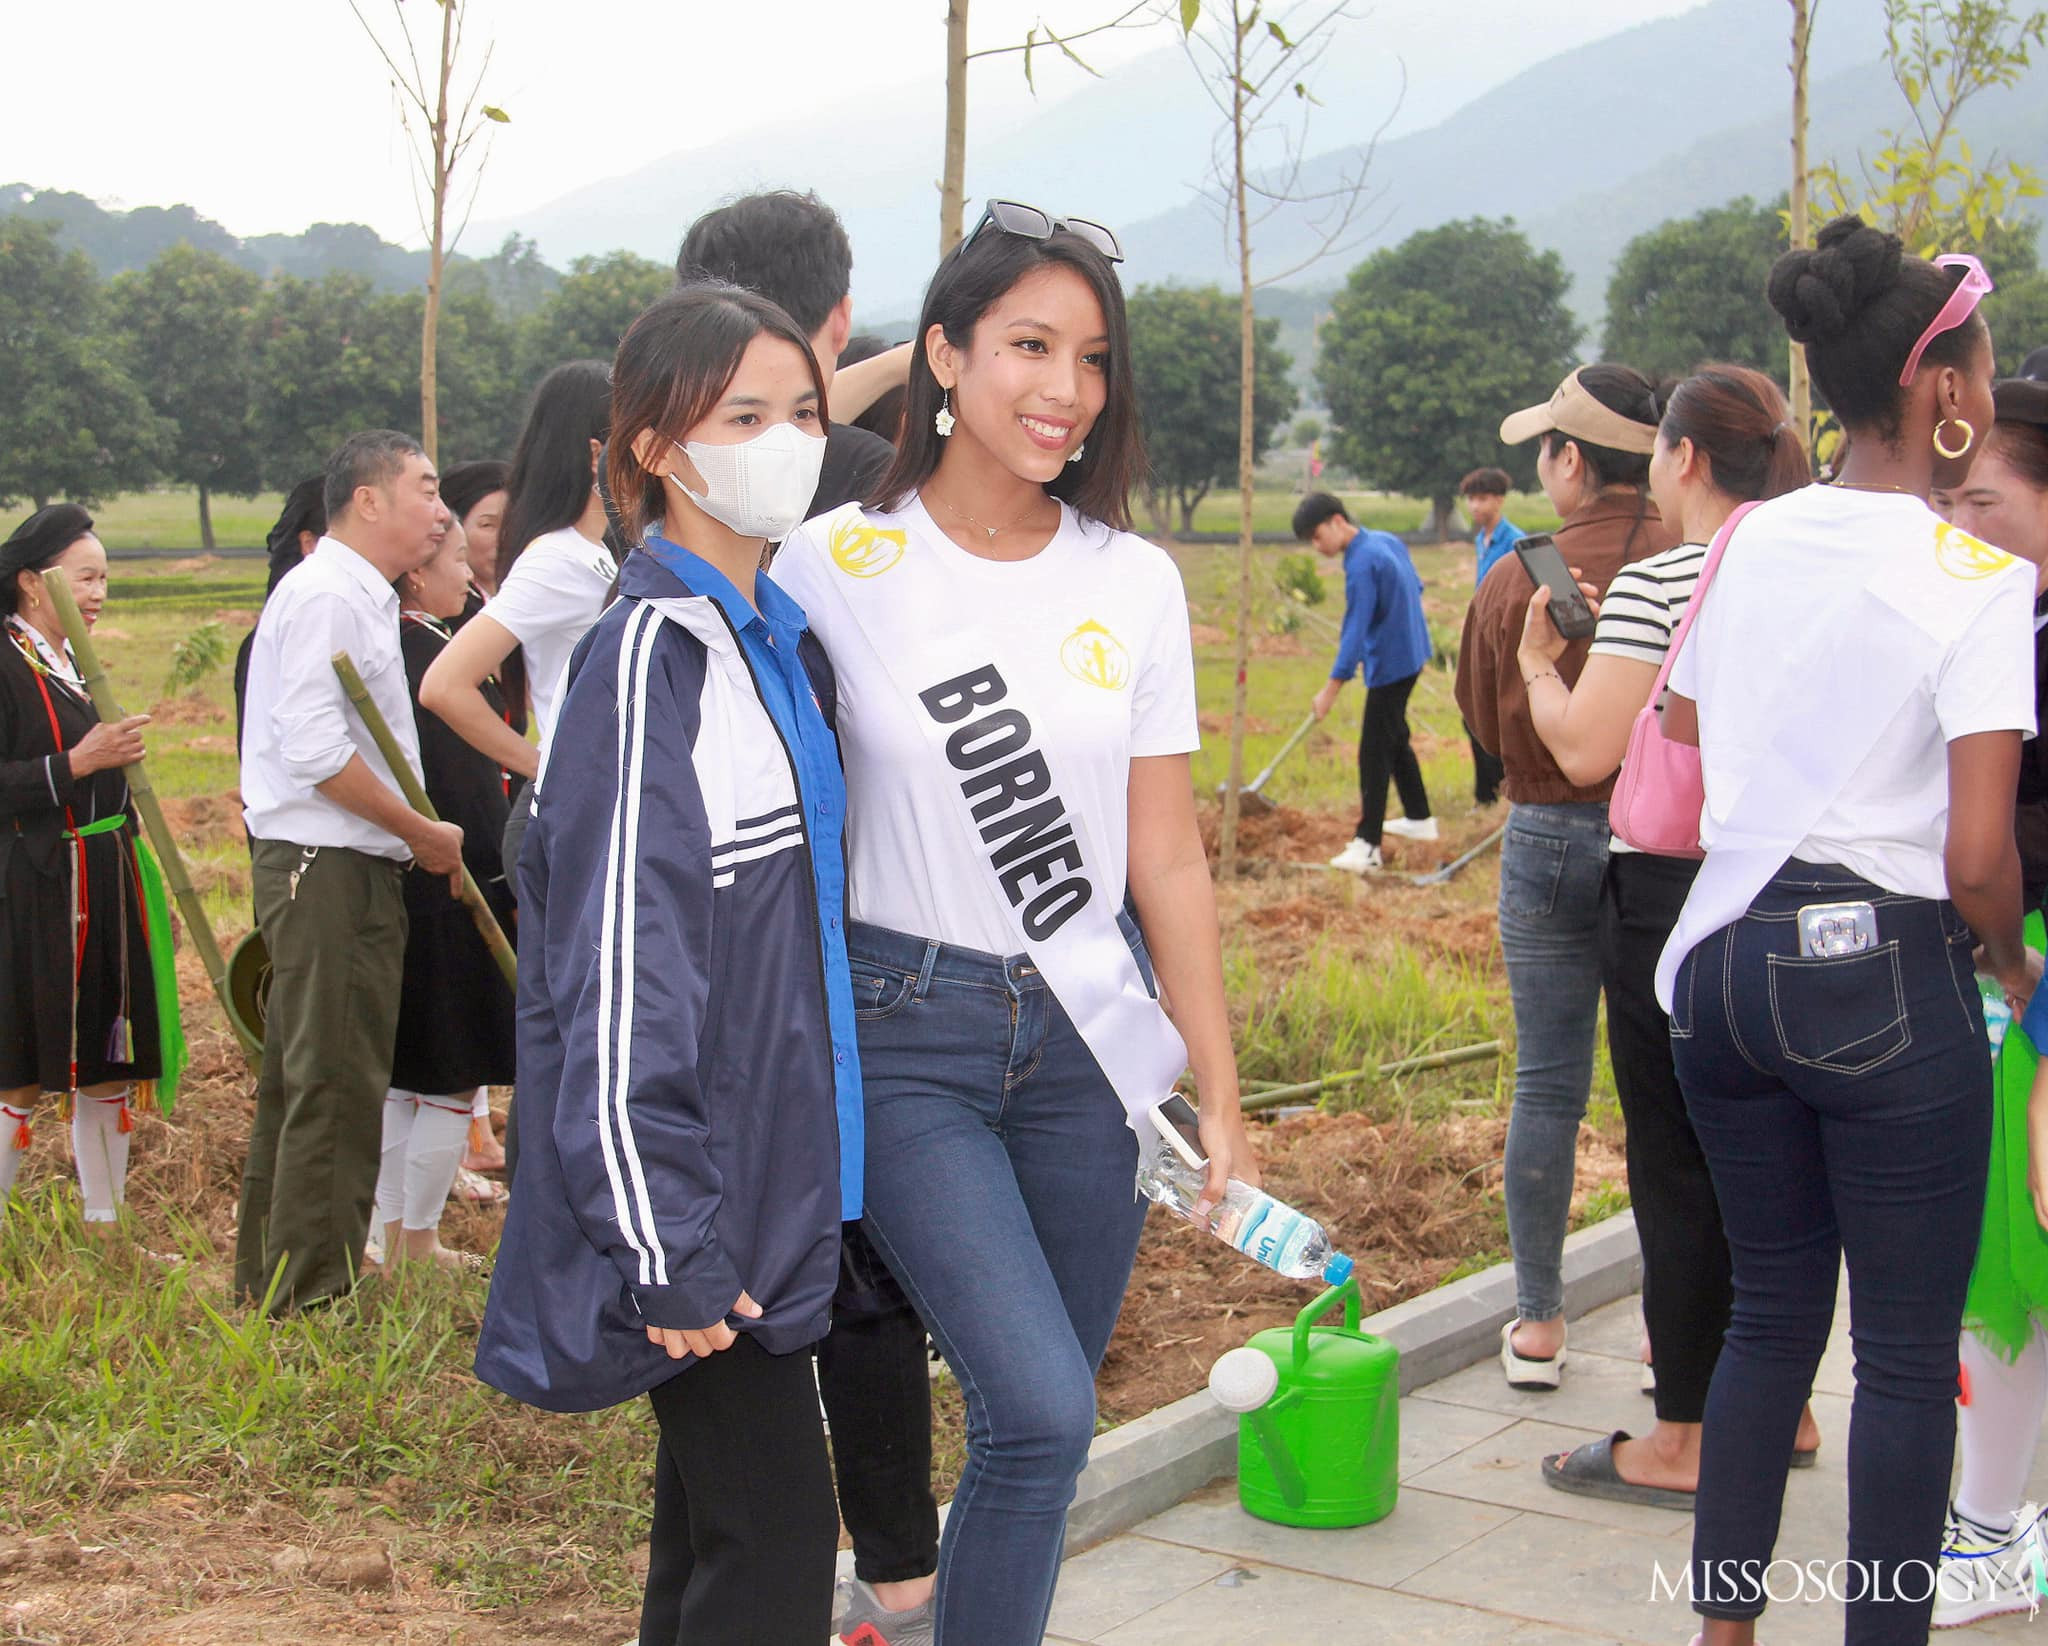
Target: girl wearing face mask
x=1017 y=712
x=689 y=1090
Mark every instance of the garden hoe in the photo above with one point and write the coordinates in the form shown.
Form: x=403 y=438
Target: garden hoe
x=1250 y=800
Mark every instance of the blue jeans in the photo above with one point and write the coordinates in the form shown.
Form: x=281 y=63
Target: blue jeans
x=1844 y=1105
x=1551 y=866
x=1001 y=1191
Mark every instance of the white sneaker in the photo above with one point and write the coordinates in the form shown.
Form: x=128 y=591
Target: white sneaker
x=1983 y=1575
x=1408 y=828
x=1358 y=857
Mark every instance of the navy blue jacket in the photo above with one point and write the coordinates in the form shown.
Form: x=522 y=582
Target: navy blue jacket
x=1384 y=627
x=678 y=1138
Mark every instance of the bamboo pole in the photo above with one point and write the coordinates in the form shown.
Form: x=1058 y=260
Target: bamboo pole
x=416 y=797
x=143 y=792
x=1484 y=1052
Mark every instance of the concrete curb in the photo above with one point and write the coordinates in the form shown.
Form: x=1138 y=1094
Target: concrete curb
x=1146 y=1466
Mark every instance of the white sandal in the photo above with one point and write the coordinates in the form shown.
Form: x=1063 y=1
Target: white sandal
x=1524 y=1372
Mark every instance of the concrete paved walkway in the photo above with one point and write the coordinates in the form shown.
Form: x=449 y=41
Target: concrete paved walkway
x=1479 y=1551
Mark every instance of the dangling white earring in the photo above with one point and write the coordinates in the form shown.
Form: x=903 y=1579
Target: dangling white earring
x=1078 y=450
x=943 y=419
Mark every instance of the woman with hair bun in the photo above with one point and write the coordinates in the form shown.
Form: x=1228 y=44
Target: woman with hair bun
x=1598 y=430
x=1858 y=679
x=88 y=995
x=1725 y=440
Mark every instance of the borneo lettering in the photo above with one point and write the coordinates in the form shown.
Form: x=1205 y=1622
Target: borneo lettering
x=1009 y=792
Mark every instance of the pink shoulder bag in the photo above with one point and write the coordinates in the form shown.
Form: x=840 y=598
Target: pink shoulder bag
x=1660 y=793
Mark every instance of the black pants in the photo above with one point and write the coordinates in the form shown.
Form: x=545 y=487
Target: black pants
x=873 y=1373
x=1687 y=1292
x=741 y=1551
x=1487 y=772
x=1384 y=752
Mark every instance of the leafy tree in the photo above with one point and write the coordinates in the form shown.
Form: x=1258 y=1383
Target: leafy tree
x=1926 y=185
x=184 y=325
x=330 y=357
x=72 y=422
x=481 y=397
x=1691 y=289
x=1430 y=344
x=1184 y=350
x=514 y=276
x=597 y=300
x=2017 y=314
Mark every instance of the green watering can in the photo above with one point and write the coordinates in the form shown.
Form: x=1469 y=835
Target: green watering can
x=1319 y=1424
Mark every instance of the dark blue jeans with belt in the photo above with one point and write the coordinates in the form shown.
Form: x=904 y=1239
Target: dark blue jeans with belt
x=1001 y=1191
x=1844 y=1105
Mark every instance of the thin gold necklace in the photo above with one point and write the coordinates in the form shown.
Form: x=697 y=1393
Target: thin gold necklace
x=955 y=509
x=1871 y=486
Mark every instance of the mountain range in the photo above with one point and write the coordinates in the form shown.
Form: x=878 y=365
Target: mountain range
x=1613 y=127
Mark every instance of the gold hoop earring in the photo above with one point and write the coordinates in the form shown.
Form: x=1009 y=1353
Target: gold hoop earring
x=1969 y=437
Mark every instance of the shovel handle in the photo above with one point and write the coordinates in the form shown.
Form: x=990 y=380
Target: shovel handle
x=1287 y=748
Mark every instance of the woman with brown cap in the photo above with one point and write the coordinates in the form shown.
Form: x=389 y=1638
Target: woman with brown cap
x=1598 y=431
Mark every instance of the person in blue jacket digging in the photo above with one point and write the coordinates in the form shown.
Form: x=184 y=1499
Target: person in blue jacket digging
x=1386 y=634
x=689 y=1090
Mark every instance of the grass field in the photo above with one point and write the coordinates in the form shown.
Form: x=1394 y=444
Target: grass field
x=220 y=1458
x=169 y=518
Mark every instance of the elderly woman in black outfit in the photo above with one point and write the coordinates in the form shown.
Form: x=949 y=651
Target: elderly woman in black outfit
x=455 y=1009
x=79 y=1010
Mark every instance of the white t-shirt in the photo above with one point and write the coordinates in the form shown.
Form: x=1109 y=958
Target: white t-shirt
x=1780 y=596
x=550 y=597
x=1092 y=633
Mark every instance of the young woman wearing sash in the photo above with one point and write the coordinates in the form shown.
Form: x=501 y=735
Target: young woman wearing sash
x=88 y=989
x=1859 y=679
x=1726 y=439
x=1991 y=1532
x=1016 y=710
x=689 y=1087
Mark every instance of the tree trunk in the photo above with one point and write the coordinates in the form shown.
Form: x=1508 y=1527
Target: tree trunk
x=1246 y=360
x=953 y=183
x=205 y=518
x=1802 y=392
x=1189 y=502
x=430 y=320
x=1438 y=528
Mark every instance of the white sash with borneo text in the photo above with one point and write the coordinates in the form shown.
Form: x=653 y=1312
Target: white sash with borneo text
x=1905 y=621
x=1007 y=781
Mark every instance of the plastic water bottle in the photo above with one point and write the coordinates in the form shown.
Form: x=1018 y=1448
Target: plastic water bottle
x=1271 y=1231
x=1997 y=1014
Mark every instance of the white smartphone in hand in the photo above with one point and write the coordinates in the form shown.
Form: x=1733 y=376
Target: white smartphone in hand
x=1177 y=1122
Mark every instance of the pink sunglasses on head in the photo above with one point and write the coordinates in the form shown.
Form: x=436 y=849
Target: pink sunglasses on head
x=1962 y=302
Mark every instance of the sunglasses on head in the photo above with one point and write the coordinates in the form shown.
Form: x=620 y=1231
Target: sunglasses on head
x=1962 y=302
x=1028 y=222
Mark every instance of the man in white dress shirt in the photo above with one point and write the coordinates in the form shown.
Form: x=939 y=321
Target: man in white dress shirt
x=330 y=836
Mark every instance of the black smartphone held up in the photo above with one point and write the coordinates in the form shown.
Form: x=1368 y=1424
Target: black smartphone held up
x=1540 y=558
x=1176 y=1121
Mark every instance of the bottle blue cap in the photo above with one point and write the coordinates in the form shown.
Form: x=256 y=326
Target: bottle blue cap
x=1338 y=1269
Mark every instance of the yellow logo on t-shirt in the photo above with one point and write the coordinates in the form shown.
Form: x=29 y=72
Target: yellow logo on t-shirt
x=861 y=550
x=1963 y=556
x=1095 y=657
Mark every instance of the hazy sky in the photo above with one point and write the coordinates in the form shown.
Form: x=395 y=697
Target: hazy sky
x=271 y=114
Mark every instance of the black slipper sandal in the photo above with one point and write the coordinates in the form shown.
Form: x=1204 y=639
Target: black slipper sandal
x=1589 y=1471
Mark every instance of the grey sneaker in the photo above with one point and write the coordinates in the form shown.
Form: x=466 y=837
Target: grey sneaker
x=865 y=1621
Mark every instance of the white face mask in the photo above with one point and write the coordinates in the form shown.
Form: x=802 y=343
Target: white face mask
x=760 y=487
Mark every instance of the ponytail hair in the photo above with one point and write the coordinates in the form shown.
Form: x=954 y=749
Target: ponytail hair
x=1737 y=419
